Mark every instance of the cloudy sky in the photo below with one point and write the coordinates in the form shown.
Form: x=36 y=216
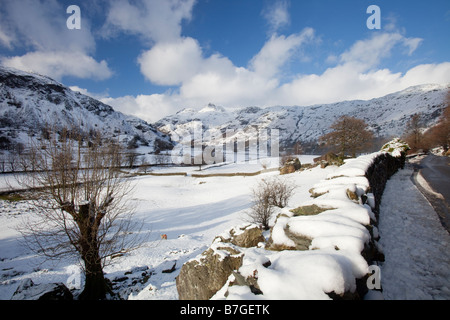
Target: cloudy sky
x=151 y=58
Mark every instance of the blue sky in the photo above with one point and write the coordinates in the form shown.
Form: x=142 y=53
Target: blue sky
x=151 y=58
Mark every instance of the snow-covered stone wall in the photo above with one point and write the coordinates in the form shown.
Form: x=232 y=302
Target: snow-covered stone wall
x=322 y=249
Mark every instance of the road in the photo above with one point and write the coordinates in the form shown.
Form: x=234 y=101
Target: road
x=436 y=172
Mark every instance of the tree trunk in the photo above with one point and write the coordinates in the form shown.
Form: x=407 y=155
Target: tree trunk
x=96 y=286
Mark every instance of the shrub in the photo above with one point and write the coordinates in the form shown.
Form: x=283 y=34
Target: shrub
x=268 y=194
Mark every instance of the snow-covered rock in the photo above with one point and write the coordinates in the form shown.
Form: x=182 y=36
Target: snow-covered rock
x=28 y=290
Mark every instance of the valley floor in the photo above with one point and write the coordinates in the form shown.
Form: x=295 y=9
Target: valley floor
x=190 y=211
x=193 y=211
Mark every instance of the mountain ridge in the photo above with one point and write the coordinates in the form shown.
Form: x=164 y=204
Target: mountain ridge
x=386 y=116
x=29 y=102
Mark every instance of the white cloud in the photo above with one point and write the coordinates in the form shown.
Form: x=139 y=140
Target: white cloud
x=412 y=44
x=58 y=51
x=244 y=88
x=5 y=39
x=6 y=35
x=277 y=15
x=216 y=79
x=37 y=24
x=357 y=76
x=369 y=53
x=57 y=64
x=277 y=51
x=153 y=20
x=171 y=63
x=150 y=108
x=427 y=73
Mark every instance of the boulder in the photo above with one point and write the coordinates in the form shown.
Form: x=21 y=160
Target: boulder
x=352 y=195
x=246 y=236
x=329 y=158
x=28 y=290
x=291 y=165
x=201 y=278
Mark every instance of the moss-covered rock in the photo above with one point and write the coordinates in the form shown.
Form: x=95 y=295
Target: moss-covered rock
x=309 y=210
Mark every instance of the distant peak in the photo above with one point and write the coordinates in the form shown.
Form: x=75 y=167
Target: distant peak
x=186 y=110
x=212 y=108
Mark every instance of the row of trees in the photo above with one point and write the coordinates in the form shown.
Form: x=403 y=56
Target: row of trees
x=350 y=135
x=420 y=138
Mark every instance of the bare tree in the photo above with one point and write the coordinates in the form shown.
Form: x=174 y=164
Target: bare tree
x=131 y=159
x=260 y=213
x=80 y=205
x=413 y=132
x=279 y=190
x=144 y=165
x=268 y=194
x=439 y=135
x=349 y=135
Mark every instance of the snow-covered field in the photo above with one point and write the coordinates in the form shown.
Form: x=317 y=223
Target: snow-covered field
x=193 y=211
x=190 y=211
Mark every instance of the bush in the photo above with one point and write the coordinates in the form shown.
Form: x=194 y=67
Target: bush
x=260 y=213
x=268 y=194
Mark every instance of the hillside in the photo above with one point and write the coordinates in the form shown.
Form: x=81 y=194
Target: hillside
x=386 y=116
x=30 y=102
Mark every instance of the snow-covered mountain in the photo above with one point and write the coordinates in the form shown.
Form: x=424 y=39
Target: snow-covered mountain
x=387 y=116
x=30 y=102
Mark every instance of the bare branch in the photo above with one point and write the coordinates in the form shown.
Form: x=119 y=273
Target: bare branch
x=81 y=207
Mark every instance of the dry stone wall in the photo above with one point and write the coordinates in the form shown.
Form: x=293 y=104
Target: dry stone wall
x=337 y=227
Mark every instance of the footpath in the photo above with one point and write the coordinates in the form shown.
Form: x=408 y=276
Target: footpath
x=415 y=243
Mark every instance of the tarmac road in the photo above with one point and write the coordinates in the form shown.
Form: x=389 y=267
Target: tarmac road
x=436 y=172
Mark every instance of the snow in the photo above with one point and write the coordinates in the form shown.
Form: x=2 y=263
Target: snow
x=192 y=212
x=331 y=227
x=297 y=275
x=415 y=245
x=421 y=180
x=278 y=235
x=355 y=167
x=333 y=261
